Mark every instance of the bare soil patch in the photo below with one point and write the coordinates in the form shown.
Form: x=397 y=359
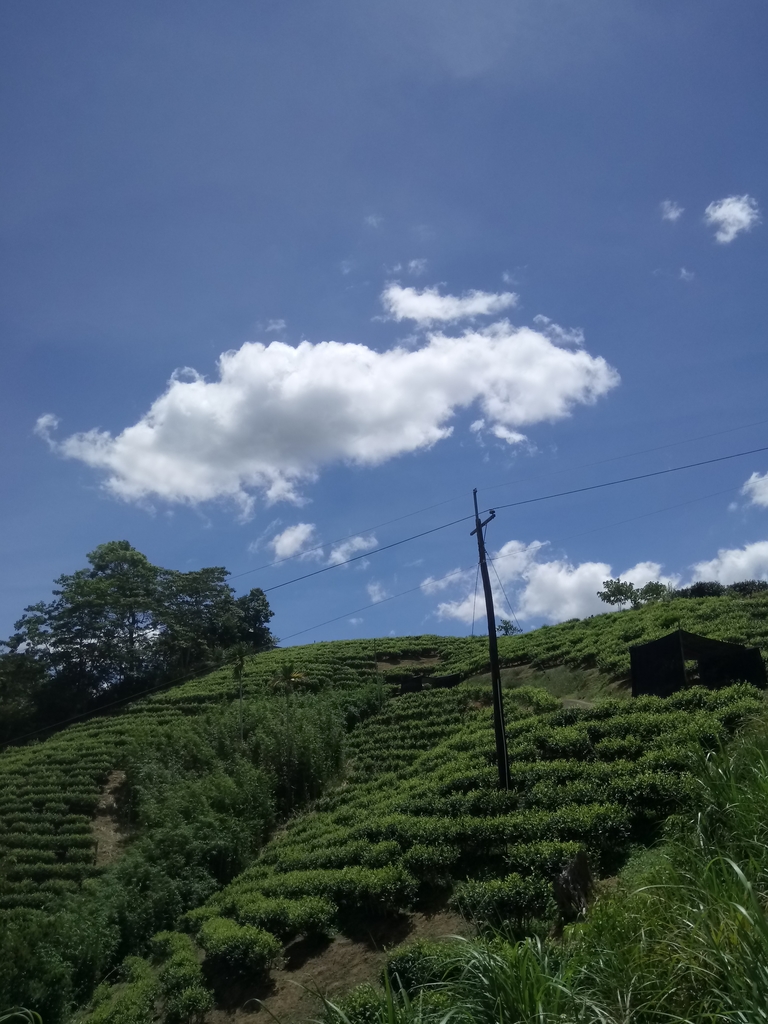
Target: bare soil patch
x=327 y=967
x=105 y=827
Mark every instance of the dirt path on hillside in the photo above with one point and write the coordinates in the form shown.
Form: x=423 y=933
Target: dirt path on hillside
x=105 y=827
x=326 y=968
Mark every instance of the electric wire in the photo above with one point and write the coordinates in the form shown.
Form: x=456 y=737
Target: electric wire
x=498 y=558
x=648 y=451
x=630 y=479
x=93 y=712
x=514 y=504
x=372 y=604
x=509 y=604
x=427 y=508
x=474 y=601
x=611 y=483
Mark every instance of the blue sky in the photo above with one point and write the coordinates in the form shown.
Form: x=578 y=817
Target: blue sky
x=430 y=241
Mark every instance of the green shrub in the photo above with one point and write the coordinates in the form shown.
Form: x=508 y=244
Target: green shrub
x=353 y=889
x=513 y=899
x=238 y=948
x=286 y=918
x=360 y=1006
x=181 y=978
x=133 y=1001
x=423 y=962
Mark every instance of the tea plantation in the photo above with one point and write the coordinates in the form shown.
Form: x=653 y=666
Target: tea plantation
x=403 y=806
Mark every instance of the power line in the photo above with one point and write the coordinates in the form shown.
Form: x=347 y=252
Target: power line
x=490 y=487
x=365 y=554
x=509 y=605
x=631 y=479
x=474 y=599
x=648 y=451
x=349 y=536
x=92 y=712
x=511 y=554
x=372 y=604
x=514 y=504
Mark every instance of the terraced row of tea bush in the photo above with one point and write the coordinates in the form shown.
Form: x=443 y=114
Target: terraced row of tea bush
x=679 y=936
x=603 y=641
x=195 y=807
x=420 y=814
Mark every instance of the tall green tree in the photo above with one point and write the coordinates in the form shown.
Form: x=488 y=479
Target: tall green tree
x=119 y=624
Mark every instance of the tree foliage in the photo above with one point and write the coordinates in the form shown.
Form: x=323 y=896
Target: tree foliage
x=623 y=592
x=119 y=625
x=505 y=627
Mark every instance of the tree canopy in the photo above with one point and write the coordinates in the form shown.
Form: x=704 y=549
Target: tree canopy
x=121 y=624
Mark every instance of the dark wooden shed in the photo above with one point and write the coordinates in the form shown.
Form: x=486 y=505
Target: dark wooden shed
x=659 y=668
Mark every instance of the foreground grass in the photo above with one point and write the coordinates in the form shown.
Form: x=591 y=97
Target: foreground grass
x=683 y=937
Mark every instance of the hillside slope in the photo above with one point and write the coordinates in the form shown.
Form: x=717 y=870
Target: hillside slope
x=416 y=815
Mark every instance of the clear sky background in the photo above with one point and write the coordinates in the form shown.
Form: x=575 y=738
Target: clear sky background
x=274 y=274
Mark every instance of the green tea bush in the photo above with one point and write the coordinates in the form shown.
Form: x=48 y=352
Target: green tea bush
x=237 y=948
x=353 y=889
x=361 y=1006
x=185 y=995
x=424 y=962
x=513 y=899
x=132 y=1002
x=286 y=918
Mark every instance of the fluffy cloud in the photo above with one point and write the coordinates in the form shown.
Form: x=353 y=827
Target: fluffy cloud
x=352 y=546
x=671 y=211
x=734 y=564
x=756 y=489
x=278 y=413
x=732 y=215
x=433 y=586
x=552 y=590
x=294 y=541
x=429 y=306
x=377 y=592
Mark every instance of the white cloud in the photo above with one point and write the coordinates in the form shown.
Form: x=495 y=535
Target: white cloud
x=433 y=586
x=275 y=326
x=671 y=211
x=559 y=335
x=355 y=621
x=373 y=220
x=686 y=275
x=417 y=267
x=756 y=488
x=278 y=413
x=553 y=590
x=294 y=541
x=731 y=216
x=734 y=564
x=346 y=266
x=377 y=592
x=429 y=306
x=44 y=427
x=505 y=434
x=352 y=546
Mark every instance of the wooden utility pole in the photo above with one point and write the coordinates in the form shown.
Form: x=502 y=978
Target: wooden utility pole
x=493 y=651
